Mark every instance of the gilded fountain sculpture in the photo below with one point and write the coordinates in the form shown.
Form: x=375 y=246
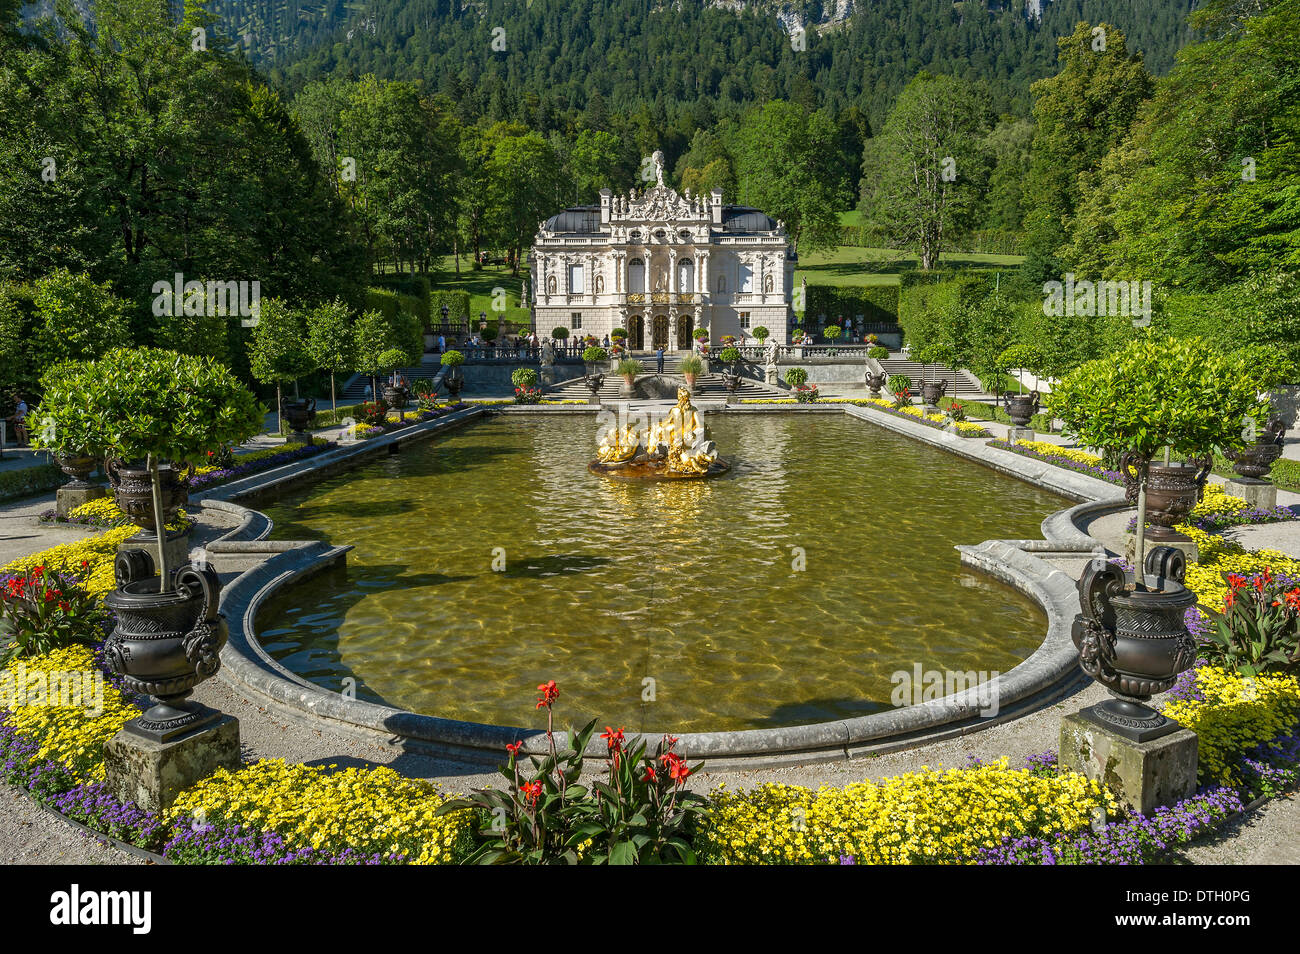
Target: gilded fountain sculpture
x=676 y=446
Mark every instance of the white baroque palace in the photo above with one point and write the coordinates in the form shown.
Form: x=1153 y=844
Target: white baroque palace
x=660 y=265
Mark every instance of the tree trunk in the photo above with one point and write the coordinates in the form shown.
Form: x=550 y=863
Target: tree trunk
x=279 y=426
x=334 y=401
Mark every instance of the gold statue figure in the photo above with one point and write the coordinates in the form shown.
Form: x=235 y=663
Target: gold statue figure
x=618 y=445
x=675 y=446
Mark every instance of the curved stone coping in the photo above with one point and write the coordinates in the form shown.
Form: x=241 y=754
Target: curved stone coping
x=1045 y=675
x=340 y=458
x=252 y=525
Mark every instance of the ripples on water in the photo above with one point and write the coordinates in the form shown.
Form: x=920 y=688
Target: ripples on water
x=690 y=584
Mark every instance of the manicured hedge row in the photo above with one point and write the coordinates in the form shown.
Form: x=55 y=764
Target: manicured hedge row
x=390 y=303
x=27 y=481
x=457 y=303
x=876 y=303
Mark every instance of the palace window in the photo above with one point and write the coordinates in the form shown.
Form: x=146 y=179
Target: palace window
x=636 y=276
x=575 y=280
x=746 y=278
x=575 y=321
x=744 y=320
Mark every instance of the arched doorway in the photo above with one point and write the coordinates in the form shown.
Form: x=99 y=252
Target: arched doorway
x=660 y=333
x=636 y=333
x=685 y=325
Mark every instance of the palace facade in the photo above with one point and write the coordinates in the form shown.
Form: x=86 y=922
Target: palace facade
x=661 y=265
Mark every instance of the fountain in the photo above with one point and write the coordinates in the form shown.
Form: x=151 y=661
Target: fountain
x=674 y=448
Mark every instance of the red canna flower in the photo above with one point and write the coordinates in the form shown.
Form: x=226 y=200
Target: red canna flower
x=1236 y=581
x=649 y=774
x=550 y=692
x=1293 y=598
x=1230 y=599
x=532 y=791
x=514 y=749
x=613 y=738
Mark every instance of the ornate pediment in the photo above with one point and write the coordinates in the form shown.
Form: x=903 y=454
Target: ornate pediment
x=660 y=204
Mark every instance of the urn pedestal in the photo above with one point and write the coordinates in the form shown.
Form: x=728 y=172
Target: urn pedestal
x=165 y=641
x=1260 y=494
x=1132 y=638
x=81 y=489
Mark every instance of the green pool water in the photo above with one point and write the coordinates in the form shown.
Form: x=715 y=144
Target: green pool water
x=786 y=592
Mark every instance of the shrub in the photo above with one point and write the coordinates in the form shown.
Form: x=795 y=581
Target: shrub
x=26 y=481
x=692 y=364
x=1258 y=629
x=630 y=367
x=879 y=353
x=619 y=333
x=452 y=359
x=761 y=333
x=796 y=376
x=700 y=334
x=729 y=355
x=560 y=332
x=874 y=303
x=594 y=353
x=523 y=377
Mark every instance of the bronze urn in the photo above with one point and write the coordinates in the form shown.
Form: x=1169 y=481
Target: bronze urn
x=298 y=414
x=1257 y=459
x=396 y=397
x=1132 y=638
x=876 y=381
x=133 y=491
x=77 y=467
x=1021 y=407
x=1173 y=489
x=165 y=641
x=931 y=391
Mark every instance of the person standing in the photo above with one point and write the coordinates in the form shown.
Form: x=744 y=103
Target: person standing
x=20 y=420
x=659 y=359
x=442 y=344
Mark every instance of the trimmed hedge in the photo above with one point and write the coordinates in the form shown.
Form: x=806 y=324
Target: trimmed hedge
x=834 y=303
x=28 y=481
x=457 y=303
x=390 y=303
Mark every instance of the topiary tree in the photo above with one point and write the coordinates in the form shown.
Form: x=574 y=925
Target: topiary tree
x=879 y=353
x=594 y=353
x=796 y=376
x=279 y=348
x=1020 y=357
x=560 y=333
x=370 y=340
x=390 y=359
x=524 y=377
x=832 y=332
x=329 y=340
x=151 y=405
x=761 y=333
x=1179 y=395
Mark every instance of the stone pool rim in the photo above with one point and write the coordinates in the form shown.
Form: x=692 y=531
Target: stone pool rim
x=1049 y=673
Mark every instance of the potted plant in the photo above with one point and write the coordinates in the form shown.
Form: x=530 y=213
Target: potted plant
x=1263 y=446
x=1020 y=407
x=878 y=352
x=628 y=369
x=454 y=378
x=63 y=426
x=158 y=409
x=593 y=356
x=761 y=334
x=796 y=377
x=1159 y=397
x=692 y=367
x=832 y=333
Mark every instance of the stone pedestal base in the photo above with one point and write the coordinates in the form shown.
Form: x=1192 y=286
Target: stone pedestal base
x=297 y=437
x=152 y=773
x=1260 y=494
x=547 y=376
x=1178 y=542
x=177 y=547
x=1142 y=775
x=771 y=376
x=1020 y=434
x=70 y=498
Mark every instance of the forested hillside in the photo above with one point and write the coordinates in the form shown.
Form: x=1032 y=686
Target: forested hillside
x=551 y=58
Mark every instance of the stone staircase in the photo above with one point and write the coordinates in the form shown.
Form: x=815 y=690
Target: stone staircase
x=355 y=388
x=708 y=387
x=961 y=384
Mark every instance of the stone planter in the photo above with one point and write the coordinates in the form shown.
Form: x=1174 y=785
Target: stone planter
x=165 y=643
x=690 y=381
x=455 y=383
x=396 y=397
x=133 y=491
x=628 y=388
x=1021 y=407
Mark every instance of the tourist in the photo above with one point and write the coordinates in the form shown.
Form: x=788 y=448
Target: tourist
x=19 y=419
x=606 y=343
x=369 y=393
x=659 y=358
x=442 y=344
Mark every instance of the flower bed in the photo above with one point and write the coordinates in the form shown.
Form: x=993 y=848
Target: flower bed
x=941 y=421
x=1066 y=457
x=105 y=514
x=254 y=462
